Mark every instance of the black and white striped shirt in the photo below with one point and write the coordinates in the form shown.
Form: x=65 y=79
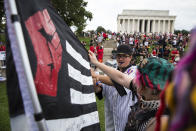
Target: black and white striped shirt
x=117 y=108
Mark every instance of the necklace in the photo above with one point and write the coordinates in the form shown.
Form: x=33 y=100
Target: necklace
x=153 y=104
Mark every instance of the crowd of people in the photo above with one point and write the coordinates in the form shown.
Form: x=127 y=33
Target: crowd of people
x=2 y=47
x=2 y=61
x=138 y=93
x=168 y=46
x=97 y=47
x=2 y=53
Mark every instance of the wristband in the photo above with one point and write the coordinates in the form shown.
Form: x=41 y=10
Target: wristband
x=97 y=83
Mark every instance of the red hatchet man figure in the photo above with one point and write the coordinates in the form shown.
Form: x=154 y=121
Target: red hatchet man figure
x=48 y=51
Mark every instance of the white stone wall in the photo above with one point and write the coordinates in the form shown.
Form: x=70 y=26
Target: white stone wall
x=145 y=21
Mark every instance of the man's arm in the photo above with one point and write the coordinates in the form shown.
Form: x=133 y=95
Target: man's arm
x=114 y=74
x=104 y=79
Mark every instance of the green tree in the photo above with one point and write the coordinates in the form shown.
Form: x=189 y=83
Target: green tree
x=176 y=32
x=109 y=31
x=73 y=12
x=100 y=29
x=184 y=32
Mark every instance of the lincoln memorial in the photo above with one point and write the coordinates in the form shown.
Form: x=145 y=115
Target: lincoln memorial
x=145 y=21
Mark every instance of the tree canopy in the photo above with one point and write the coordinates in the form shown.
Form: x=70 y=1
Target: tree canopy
x=73 y=12
x=184 y=32
x=100 y=29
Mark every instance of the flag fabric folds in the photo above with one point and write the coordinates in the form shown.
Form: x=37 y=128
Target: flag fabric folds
x=60 y=67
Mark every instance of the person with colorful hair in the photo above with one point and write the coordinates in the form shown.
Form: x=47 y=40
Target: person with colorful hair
x=150 y=80
x=179 y=96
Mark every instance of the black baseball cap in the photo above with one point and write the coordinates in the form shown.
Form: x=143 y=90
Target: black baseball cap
x=124 y=49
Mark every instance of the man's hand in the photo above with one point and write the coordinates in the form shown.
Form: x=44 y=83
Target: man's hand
x=93 y=58
x=97 y=85
x=93 y=74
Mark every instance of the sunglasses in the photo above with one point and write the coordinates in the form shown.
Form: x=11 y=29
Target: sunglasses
x=122 y=56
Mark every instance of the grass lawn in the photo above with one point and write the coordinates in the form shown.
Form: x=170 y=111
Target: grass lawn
x=100 y=107
x=4 y=115
x=87 y=40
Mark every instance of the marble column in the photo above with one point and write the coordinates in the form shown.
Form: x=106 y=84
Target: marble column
x=128 y=26
x=133 y=26
x=159 y=25
x=172 y=27
x=164 y=26
x=153 y=26
x=118 y=25
x=148 y=26
x=143 y=24
x=168 y=26
x=138 y=25
x=123 y=25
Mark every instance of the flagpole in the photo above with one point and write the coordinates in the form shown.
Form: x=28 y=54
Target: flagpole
x=26 y=65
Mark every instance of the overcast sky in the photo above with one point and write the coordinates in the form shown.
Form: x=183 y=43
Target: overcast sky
x=105 y=11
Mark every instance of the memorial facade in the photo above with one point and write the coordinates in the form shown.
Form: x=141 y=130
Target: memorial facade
x=145 y=21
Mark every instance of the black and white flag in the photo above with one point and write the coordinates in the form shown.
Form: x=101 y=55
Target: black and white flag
x=60 y=68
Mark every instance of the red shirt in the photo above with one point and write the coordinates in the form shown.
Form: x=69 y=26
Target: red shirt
x=92 y=49
x=104 y=35
x=154 y=52
x=136 y=41
x=174 y=52
x=100 y=53
x=97 y=48
x=3 y=48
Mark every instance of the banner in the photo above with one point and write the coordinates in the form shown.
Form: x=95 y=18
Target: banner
x=2 y=55
x=60 y=67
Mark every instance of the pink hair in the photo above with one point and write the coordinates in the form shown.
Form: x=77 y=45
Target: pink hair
x=138 y=78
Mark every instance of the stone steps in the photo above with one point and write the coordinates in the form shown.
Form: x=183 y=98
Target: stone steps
x=109 y=44
x=108 y=47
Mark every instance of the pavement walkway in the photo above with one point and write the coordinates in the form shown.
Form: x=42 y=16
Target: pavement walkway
x=108 y=46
